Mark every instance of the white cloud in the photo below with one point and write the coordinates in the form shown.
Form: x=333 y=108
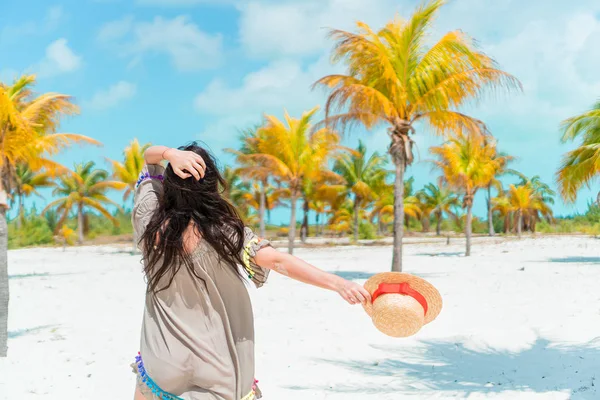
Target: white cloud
x=188 y=47
x=281 y=84
x=115 y=29
x=59 y=59
x=300 y=28
x=113 y=96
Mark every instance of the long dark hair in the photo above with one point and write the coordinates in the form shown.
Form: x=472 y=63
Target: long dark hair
x=201 y=204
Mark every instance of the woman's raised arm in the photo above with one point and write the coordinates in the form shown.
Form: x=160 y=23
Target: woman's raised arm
x=185 y=163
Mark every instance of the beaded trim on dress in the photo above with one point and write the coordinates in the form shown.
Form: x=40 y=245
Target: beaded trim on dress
x=161 y=394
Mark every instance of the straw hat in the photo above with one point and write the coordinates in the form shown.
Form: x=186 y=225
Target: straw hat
x=402 y=303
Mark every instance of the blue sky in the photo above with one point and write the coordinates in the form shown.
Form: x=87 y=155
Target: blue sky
x=171 y=71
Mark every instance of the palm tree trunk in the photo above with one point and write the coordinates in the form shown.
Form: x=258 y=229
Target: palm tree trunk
x=519 y=222
x=292 y=229
x=304 y=227
x=261 y=210
x=438 y=226
x=317 y=222
x=379 y=228
x=426 y=222
x=4 y=292
x=469 y=228
x=398 y=214
x=80 y=223
x=490 y=212
x=356 y=203
x=20 y=211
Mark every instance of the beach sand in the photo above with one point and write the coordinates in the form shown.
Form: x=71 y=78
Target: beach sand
x=521 y=320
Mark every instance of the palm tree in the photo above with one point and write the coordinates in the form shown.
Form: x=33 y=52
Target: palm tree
x=130 y=169
x=28 y=125
x=235 y=190
x=383 y=208
x=129 y=172
x=294 y=156
x=394 y=78
x=505 y=159
x=26 y=183
x=580 y=166
x=362 y=176
x=250 y=169
x=83 y=188
x=440 y=200
x=262 y=198
x=323 y=184
x=504 y=207
x=468 y=163
x=341 y=220
x=527 y=203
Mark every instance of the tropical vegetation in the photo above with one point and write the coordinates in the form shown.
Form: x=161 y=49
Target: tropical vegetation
x=394 y=78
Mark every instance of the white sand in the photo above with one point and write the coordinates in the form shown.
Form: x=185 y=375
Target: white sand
x=505 y=333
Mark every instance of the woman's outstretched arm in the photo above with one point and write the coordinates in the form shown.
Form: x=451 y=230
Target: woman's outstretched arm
x=302 y=271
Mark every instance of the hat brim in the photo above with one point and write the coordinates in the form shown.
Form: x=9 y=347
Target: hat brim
x=431 y=294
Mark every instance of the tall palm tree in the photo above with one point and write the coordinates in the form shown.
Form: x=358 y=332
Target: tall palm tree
x=362 y=176
x=81 y=189
x=28 y=125
x=395 y=78
x=580 y=166
x=294 y=156
x=440 y=200
x=130 y=169
x=26 y=183
x=468 y=163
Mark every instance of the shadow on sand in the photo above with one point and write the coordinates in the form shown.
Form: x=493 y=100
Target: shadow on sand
x=353 y=275
x=36 y=275
x=443 y=254
x=452 y=368
x=23 y=332
x=360 y=275
x=576 y=259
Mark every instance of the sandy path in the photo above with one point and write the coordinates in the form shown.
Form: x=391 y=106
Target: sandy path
x=521 y=321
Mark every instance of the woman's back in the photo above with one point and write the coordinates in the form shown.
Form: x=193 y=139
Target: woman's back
x=197 y=332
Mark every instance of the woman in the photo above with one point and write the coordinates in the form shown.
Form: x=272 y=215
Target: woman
x=197 y=339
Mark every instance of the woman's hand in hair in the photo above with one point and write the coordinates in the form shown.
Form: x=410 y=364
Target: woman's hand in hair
x=185 y=163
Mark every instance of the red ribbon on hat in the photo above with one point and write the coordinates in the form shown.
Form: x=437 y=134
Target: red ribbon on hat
x=400 y=288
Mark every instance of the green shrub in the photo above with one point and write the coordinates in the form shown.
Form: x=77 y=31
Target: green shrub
x=366 y=230
x=34 y=231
